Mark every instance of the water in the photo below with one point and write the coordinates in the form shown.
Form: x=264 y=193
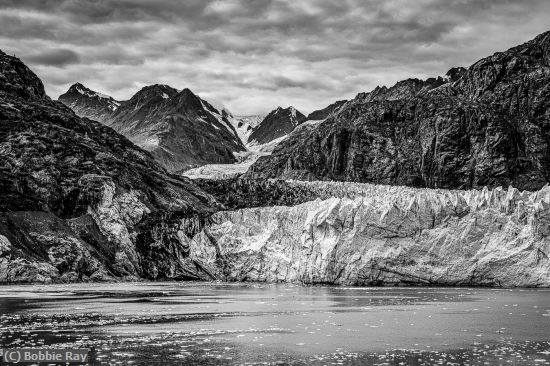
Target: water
x=219 y=324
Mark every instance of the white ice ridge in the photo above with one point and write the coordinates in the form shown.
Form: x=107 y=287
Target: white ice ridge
x=369 y=235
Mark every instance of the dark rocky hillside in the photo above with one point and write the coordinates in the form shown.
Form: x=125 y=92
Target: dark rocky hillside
x=277 y=123
x=78 y=201
x=178 y=128
x=487 y=125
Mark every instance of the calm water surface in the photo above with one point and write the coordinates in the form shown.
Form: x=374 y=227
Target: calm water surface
x=219 y=324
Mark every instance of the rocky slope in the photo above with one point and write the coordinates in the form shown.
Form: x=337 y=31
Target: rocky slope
x=383 y=235
x=276 y=124
x=180 y=129
x=88 y=103
x=322 y=114
x=487 y=125
x=80 y=202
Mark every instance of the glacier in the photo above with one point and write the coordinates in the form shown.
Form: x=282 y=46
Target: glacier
x=364 y=234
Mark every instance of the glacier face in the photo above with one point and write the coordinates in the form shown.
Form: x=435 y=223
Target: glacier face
x=362 y=234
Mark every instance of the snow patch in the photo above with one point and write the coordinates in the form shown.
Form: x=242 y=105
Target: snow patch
x=247 y=125
x=112 y=104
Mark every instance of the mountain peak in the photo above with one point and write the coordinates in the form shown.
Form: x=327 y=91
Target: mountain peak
x=79 y=88
x=187 y=91
x=280 y=122
x=179 y=128
x=88 y=103
x=290 y=109
x=154 y=91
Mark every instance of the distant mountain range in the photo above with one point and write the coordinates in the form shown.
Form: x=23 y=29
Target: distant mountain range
x=485 y=125
x=180 y=129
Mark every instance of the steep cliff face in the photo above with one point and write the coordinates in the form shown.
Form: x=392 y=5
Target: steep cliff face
x=488 y=125
x=88 y=103
x=383 y=235
x=78 y=201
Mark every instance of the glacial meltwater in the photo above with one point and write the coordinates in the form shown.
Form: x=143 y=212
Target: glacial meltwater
x=261 y=324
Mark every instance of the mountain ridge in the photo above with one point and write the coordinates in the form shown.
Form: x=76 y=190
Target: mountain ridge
x=485 y=125
x=157 y=118
x=80 y=202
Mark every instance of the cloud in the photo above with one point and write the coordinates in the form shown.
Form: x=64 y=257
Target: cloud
x=253 y=55
x=55 y=58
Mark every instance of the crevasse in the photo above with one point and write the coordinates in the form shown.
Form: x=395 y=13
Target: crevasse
x=363 y=234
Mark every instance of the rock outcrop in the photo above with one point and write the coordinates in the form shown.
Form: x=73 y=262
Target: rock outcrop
x=385 y=235
x=276 y=124
x=487 y=125
x=178 y=128
x=80 y=202
x=88 y=103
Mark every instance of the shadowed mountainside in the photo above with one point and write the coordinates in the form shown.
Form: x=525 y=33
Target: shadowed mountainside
x=487 y=125
x=79 y=201
x=179 y=129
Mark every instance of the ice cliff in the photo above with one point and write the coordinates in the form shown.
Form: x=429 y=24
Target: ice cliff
x=382 y=235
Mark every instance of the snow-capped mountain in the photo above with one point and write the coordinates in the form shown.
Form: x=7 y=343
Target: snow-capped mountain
x=180 y=129
x=244 y=125
x=88 y=103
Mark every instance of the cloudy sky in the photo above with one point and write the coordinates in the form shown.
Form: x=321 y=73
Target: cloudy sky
x=254 y=55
